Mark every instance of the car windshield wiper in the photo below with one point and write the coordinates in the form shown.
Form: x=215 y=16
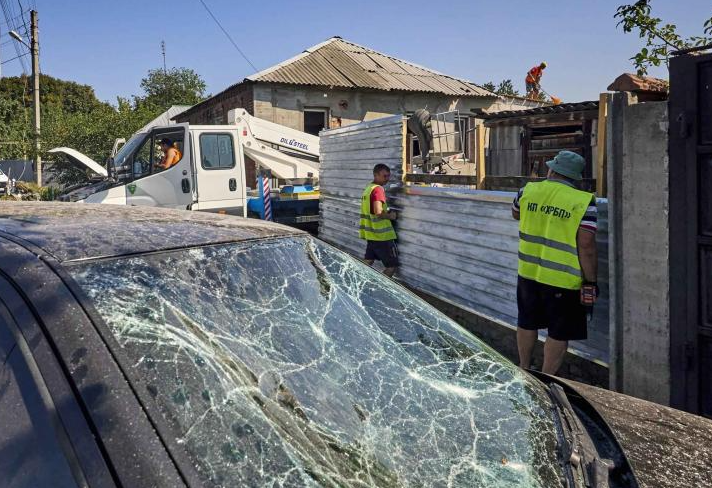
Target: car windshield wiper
x=587 y=469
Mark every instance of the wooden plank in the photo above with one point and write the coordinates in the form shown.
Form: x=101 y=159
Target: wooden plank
x=526 y=143
x=601 y=159
x=588 y=169
x=441 y=179
x=480 y=160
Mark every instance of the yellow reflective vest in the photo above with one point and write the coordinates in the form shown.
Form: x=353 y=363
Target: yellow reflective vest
x=372 y=227
x=549 y=217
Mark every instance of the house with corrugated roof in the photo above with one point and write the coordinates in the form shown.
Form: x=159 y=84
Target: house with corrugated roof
x=337 y=83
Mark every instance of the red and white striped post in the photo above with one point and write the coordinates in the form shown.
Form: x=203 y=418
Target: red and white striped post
x=265 y=190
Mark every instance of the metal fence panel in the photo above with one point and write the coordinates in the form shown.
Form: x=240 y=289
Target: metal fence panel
x=457 y=244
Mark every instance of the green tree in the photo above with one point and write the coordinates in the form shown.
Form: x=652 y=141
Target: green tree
x=92 y=133
x=72 y=116
x=490 y=86
x=660 y=39
x=177 y=86
x=505 y=87
x=54 y=93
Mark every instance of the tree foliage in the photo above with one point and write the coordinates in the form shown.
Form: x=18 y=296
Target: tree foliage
x=55 y=94
x=505 y=87
x=72 y=116
x=177 y=86
x=660 y=39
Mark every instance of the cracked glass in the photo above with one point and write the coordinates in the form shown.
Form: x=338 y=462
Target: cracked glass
x=286 y=362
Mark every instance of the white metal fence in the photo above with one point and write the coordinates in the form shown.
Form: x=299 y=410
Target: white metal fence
x=459 y=245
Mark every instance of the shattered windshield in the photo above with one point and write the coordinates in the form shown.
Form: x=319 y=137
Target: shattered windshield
x=288 y=363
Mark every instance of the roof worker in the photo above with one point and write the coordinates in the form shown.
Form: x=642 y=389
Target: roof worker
x=557 y=260
x=375 y=223
x=171 y=154
x=533 y=80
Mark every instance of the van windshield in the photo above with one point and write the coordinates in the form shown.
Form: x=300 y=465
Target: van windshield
x=127 y=149
x=288 y=363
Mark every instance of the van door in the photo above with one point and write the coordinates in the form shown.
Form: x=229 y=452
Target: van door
x=151 y=184
x=220 y=171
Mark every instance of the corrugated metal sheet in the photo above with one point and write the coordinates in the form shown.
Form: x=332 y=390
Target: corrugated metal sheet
x=460 y=245
x=166 y=118
x=340 y=63
x=549 y=109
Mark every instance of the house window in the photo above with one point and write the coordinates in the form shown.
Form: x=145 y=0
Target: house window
x=315 y=119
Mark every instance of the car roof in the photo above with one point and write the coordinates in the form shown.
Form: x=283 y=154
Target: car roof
x=80 y=231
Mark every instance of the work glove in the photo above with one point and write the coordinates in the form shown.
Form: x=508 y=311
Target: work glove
x=589 y=294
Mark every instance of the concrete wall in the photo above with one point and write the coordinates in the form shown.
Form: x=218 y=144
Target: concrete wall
x=638 y=198
x=284 y=104
x=458 y=245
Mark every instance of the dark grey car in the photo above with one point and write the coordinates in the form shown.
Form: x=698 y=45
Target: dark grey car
x=145 y=347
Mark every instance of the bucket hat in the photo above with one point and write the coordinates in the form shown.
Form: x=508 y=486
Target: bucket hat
x=568 y=164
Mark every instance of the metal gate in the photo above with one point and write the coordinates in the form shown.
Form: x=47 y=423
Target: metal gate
x=690 y=150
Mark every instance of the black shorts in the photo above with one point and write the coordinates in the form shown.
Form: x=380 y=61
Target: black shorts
x=383 y=251
x=548 y=307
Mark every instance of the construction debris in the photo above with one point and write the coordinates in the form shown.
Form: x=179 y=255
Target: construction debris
x=641 y=84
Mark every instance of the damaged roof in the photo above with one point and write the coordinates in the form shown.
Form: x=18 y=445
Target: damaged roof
x=339 y=63
x=550 y=109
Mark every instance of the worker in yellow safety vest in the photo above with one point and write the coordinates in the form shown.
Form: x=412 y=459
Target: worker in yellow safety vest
x=556 y=287
x=375 y=222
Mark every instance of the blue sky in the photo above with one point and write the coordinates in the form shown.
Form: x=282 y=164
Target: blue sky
x=110 y=45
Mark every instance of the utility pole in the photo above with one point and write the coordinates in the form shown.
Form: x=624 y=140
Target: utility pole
x=35 y=48
x=163 y=50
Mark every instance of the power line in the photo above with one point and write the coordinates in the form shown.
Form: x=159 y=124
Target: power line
x=22 y=15
x=16 y=57
x=10 y=18
x=228 y=36
x=4 y=22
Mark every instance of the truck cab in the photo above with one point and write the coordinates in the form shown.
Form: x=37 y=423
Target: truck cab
x=210 y=174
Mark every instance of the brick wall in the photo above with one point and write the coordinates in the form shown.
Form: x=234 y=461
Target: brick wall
x=215 y=109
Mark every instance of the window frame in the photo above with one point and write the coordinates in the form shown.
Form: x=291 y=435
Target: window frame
x=149 y=140
x=232 y=146
x=325 y=111
x=156 y=136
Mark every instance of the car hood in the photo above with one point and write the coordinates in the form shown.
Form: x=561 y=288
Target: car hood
x=79 y=158
x=666 y=447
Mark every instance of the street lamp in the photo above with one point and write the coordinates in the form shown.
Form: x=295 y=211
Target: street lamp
x=19 y=38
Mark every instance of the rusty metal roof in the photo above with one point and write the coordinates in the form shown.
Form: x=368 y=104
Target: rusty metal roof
x=339 y=63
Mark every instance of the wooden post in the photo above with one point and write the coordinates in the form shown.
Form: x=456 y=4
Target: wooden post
x=405 y=154
x=601 y=161
x=480 y=131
